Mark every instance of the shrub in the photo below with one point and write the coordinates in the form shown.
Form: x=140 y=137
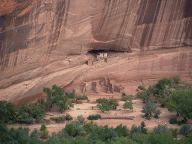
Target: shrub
x=135 y=129
x=125 y=97
x=81 y=119
x=7 y=112
x=157 y=112
x=122 y=131
x=16 y=136
x=58 y=98
x=30 y=113
x=44 y=132
x=107 y=134
x=141 y=87
x=160 y=129
x=61 y=119
x=150 y=110
x=94 y=117
x=145 y=95
x=106 y=104
x=123 y=140
x=185 y=129
x=181 y=101
x=173 y=120
x=81 y=98
x=74 y=129
x=68 y=117
x=161 y=85
x=70 y=95
x=128 y=105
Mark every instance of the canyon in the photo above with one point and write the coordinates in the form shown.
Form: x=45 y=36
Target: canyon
x=46 y=42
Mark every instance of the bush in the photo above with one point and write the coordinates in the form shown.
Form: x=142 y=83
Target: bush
x=106 y=104
x=7 y=112
x=56 y=97
x=94 y=117
x=17 y=136
x=27 y=113
x=128 y=105
x=145 y=95
x=125 y=97
x=81 y=98
x=61 y=119
x=75 y=129
x=138 y=129
x=68 y=117
x=31 y=113
x=81 y=119
x=122 y=131
x=181 y=101
x=185 y=129
x=160 y=129
x=173 y=120
x=161 y=85
x=150 y=110
x=44 y=132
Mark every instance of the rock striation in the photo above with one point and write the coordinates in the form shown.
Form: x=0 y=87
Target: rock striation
x=44 y=41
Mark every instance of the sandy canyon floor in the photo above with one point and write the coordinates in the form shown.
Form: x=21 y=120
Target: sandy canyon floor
x=87 y=108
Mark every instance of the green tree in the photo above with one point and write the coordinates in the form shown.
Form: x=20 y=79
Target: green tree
x=7 y=112
x=181 y=101
x=128 y=105
x=122 y=131
x=106 y=104
x=185 y=129
x=75 y=129
x=44 y=132
x=58 y=98
x=150 y=110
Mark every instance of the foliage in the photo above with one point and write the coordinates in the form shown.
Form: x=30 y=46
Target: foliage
x=35 y=112
x=161 y=91
x=7 y=112
x=173 y=94
x=17 y=136
x=150 y=110
x=61 y=119
x=128 y=105
x=106 y=104
x=125 y=97
x=30 y=113
x=68 y=117
x=138 y=129
x=74 y=129
x=81 y=98
x=185 y=129
x=27 y=113
x=94 y=117
x=56 y=97
x=181 y=101
x=173 y=120
x=44 y=132
x=122 y=131
x=81 y=119
x=160 y=129
x=90 y=133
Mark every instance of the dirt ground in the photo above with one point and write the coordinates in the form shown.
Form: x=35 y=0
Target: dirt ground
x=87 y=108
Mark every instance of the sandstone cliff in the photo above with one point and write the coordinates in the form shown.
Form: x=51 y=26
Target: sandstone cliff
x=43 y=42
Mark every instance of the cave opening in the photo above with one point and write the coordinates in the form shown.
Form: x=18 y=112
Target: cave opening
x=95 y=52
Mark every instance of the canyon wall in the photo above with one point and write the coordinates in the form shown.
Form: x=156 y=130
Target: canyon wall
x=43 y=42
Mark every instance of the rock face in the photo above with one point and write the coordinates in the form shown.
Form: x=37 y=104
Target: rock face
x=43 y=42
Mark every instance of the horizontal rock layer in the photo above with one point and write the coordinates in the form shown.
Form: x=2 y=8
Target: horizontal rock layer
x=35 y=34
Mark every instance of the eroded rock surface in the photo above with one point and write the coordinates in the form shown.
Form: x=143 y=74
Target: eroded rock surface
x=43 y=42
